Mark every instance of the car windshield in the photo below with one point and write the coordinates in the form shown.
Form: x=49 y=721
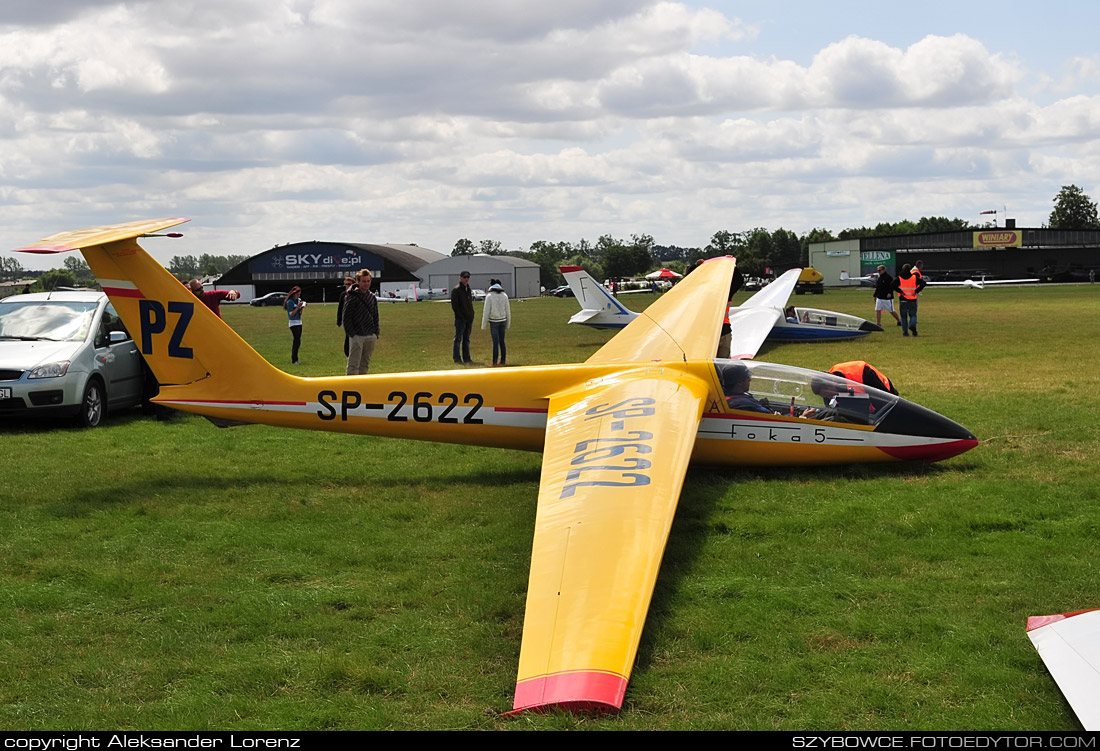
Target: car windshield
x=55 y=320
x=796 y=392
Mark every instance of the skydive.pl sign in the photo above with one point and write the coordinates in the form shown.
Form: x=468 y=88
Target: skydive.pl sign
x=299 y=260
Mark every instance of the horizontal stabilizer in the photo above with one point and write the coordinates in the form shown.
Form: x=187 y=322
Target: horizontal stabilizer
x=584 y=316
x=89 y=238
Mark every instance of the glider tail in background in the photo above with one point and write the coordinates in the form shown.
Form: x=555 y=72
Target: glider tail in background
x=164 y=317
x=599 y=308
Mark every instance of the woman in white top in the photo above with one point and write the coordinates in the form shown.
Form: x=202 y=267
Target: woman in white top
x=498 y=317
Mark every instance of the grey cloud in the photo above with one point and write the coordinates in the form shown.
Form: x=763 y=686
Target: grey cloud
x=45 y=12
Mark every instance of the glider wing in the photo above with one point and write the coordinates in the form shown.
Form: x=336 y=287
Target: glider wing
x=684 y=324
x=614 y=461
x=776 y=294
x=1070 y=647
x=751 y=322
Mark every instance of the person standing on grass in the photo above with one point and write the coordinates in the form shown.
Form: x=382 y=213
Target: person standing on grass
x=498 y=317
x=361 y=323
x=294 y=305
x=462 y=303
x=348 y=284
x=908 y=285
x=884 y=296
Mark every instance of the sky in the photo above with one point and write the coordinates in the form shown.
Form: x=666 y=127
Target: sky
x=427 y=121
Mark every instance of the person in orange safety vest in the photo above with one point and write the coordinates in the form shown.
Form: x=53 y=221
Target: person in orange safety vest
x=858 y=371
x=908 y=285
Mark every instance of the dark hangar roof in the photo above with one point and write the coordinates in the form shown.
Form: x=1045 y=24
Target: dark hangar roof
x=318 y=259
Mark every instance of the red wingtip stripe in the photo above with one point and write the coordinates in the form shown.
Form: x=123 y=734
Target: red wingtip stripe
x=1038 y=621
x=576 y=691
x=567 y=269
x=44 y=249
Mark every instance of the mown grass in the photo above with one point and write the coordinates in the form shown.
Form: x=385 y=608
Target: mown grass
x=171 y=575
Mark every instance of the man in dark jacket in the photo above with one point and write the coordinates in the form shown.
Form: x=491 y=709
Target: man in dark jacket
x=884 y=296
x=348 y=284
x=361 y=323
x=462 y=303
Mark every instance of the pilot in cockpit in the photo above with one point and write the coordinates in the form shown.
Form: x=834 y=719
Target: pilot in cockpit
x=737 y=381
x=828 y=389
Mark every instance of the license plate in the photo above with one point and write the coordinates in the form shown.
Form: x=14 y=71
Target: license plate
x=5 y=393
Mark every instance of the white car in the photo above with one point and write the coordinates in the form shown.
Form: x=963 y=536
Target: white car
x=66 y=354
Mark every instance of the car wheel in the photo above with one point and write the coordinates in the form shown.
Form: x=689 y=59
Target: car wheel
x=93 y=407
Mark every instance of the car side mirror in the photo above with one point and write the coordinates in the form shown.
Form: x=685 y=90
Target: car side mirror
x=117 y=337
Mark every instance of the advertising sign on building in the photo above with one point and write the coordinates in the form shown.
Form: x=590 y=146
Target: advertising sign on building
x=870 y=260
x=304 y=259
x=998 y=238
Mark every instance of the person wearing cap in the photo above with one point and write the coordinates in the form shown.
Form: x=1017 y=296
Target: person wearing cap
x=737 y=379
x=293 y=305
x=498 y=317
x=908 y=285
x=462 y=303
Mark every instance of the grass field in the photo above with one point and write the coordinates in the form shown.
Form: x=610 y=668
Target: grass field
x=173 y=575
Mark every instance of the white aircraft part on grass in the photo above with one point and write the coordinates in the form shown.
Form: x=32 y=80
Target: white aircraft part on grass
x=1070 y=647
x=980 y=283
x=758 y=318
x=412 y=293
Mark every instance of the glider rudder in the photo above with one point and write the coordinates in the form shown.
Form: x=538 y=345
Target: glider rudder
x=182 y=340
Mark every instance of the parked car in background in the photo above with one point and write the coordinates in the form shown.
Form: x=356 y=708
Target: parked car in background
x=271 y=298
x=66 y=354
x=562 y=291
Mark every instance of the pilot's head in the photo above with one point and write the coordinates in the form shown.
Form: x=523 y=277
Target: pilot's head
x=738 y=378
x=826 y=387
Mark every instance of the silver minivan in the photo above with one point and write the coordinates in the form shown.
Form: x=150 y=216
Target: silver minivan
x=66 y=354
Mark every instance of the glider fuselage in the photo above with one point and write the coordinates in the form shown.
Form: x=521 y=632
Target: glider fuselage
x=507 y=408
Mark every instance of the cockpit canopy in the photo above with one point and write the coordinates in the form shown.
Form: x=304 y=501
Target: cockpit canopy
x=829 y=318
x=797 y=392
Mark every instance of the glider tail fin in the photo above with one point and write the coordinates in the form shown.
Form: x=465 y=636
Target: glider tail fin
x=588 y=292
x=182 y=340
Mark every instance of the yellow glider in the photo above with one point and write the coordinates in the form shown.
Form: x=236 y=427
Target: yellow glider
x=617 y=435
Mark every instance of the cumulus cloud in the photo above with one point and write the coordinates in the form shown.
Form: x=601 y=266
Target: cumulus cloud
x=425 y=121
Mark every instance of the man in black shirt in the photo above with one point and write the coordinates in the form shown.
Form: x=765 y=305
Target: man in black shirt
x=884 y=296
x=462 y=303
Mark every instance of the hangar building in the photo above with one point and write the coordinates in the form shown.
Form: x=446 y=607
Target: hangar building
x=518 y=277
x=319 y=268
x=1054 y=255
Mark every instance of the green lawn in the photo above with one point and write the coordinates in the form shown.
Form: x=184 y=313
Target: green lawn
x=173 y=575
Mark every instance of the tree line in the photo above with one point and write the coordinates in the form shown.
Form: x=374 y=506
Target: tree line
x=756 y=249
x=186 y=268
